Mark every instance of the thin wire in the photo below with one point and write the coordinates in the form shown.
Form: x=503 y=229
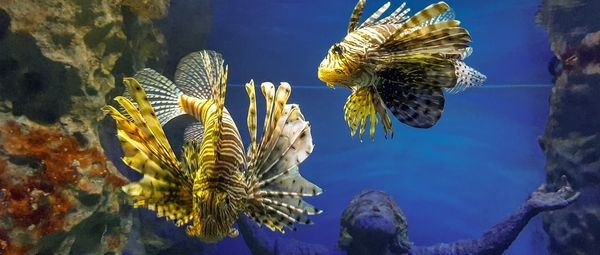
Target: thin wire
x=485 y=86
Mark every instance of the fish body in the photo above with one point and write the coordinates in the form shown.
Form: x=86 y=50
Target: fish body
x=399 y=63
x=216 y=179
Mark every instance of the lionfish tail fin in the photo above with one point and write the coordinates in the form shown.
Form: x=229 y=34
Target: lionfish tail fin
x=275 y=187
x=466 y=77
x=146 y=150
x=365 y=103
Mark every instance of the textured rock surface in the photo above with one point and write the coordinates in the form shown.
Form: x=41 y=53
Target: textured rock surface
x=59 y=62
x=572 y=138
x=185 y=32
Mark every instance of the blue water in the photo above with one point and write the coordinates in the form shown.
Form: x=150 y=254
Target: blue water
x=453 y=181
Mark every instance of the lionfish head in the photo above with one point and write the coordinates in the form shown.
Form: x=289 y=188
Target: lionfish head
x=335 y=68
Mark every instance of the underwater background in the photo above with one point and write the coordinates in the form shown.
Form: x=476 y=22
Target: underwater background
x=453 y=181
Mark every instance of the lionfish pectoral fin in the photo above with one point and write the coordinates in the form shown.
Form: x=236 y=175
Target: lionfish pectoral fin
x=163 y=189
x=362 y=104
x=277 y=189
x=419 y=107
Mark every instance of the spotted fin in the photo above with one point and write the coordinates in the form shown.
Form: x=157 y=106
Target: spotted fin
x=164 y=188
x=418 y=70
x=419 y=107
x=366 y=103
x=467 y=77
x=252 y=119
x=275 y=185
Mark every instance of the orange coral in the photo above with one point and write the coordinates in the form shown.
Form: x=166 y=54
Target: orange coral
x=39 y=201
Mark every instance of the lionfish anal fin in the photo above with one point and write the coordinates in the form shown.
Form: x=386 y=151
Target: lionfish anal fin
x=362 y=104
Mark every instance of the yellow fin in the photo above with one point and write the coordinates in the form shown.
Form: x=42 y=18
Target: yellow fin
x=252 y=119
x=163 y=189
x=219 y=91
x=355 y=17
x=425 y=15
x=362 y=104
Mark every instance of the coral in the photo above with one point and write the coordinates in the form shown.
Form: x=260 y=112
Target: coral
x=70 y=49
x=41 y=177
x=571 y=141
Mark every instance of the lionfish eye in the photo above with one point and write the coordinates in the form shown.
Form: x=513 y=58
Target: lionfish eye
x=337 y=49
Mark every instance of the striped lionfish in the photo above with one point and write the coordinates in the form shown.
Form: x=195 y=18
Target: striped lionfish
x=400 y=63
x=215 y=180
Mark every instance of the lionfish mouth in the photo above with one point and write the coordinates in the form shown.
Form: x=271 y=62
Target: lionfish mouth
x=330 y=77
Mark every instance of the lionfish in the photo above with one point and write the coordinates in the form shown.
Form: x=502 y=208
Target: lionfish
x=215 y=180
x=400 y=63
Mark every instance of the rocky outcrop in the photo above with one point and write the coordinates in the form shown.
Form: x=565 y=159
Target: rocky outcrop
x=571 y=141
x=59 y=63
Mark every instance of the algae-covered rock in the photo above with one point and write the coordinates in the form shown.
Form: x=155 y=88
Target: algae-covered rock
x=60 y=61
x=571 y=141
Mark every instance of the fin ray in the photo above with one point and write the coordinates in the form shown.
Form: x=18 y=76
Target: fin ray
x=276 y=188
x=355 y=17
x=198 y=72
x=162 y=94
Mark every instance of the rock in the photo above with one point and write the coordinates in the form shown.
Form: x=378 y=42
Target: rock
x=149 y=9
x=59 y=62
x=571 y=141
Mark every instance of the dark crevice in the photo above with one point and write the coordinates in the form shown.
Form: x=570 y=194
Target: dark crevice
x=4 y=24
x=37 y=87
